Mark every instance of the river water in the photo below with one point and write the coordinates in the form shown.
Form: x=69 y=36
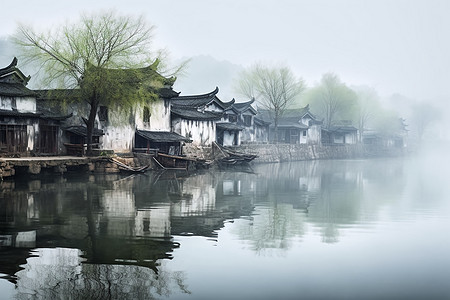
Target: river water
x=337 y=229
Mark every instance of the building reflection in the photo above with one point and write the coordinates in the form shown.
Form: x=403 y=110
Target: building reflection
x=93 y=229
x=60 y=228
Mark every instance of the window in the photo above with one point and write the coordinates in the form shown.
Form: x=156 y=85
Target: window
x=103 y=114
x=248 y=121
x=304 y=132
x=147 y=114
x=232 y=118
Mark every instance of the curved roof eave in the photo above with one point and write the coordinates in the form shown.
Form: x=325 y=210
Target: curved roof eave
x=207 y=95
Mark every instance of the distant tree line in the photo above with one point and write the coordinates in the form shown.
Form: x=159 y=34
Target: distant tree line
x=276 y=88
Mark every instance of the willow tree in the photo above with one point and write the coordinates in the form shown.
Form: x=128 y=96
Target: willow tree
x=274 y=88
x=102 y=56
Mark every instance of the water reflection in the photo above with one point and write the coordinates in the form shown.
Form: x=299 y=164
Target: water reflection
x=108 y=236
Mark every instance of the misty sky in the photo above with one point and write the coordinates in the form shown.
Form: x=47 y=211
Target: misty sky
x=393 y=46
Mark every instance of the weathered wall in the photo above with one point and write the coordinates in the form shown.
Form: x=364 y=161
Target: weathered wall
x=202 y=133
x=159 y=116
x=119 y=139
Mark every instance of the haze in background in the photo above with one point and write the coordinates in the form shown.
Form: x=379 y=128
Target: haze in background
x=400 y=48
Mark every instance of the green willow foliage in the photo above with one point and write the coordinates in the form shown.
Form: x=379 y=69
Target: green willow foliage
x=107 y=58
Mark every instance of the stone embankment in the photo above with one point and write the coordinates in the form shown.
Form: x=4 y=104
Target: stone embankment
x=266 y=153
x=273 y=153
x=61 y=164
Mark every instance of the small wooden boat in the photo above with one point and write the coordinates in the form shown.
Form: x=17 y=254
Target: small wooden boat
x=176 y=162
x=128 y=169
x=228 y=157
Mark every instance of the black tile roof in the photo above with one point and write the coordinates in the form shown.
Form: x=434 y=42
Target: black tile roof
x=11 y=74
x=289 y=115
x=340 y=129
x=16 y=113
x=293 y=125
x=39 y=115
x=162 y=136
x=240 y=107
x=167 y=93
x=229 y=126
x=15 y=90
x=82 y=131
x=194 y=114
x=196 y=101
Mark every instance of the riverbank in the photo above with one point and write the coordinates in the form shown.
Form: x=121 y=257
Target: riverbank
x=275 y=153
x=266 y=153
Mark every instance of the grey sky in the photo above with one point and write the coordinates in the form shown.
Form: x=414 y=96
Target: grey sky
x=394 y=46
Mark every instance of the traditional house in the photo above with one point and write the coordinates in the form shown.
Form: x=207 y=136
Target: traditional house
x=397 y=138
x=116 y=129
x=24 y=129
x=340 y=133
x=296 y=126
x=243 y=115
x=261 y=130
x=200 y=118
x=161 y=141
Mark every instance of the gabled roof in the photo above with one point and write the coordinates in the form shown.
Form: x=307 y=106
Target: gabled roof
x=240 y=107
x=162 y=136
x=289 y=115
x=11 y=74
x=13 y=82
x=299 y=113
x=194 y=114
x=136 y=75
x=202 y=100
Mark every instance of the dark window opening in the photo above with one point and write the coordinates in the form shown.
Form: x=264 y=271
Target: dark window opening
x=146 y=225
x=13 y=138
x=146 y=116
x=103 y=114
x=232 y=118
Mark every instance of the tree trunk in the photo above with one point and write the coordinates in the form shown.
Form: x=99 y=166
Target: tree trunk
x=276 y=130
x=90 y=124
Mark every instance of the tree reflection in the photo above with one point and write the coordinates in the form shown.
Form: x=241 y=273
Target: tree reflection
x=60 y=273
x=89 y=231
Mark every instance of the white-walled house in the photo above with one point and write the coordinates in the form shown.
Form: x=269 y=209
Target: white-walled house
x=340 y=133
x=243 y=115
x=200 y=118
x=295 y=126
x=116 y=129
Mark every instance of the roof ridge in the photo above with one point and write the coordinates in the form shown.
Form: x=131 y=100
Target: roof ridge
x=206 y=95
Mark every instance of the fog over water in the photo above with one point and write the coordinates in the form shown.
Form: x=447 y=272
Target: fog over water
x=399 y=48
x=335 y=229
